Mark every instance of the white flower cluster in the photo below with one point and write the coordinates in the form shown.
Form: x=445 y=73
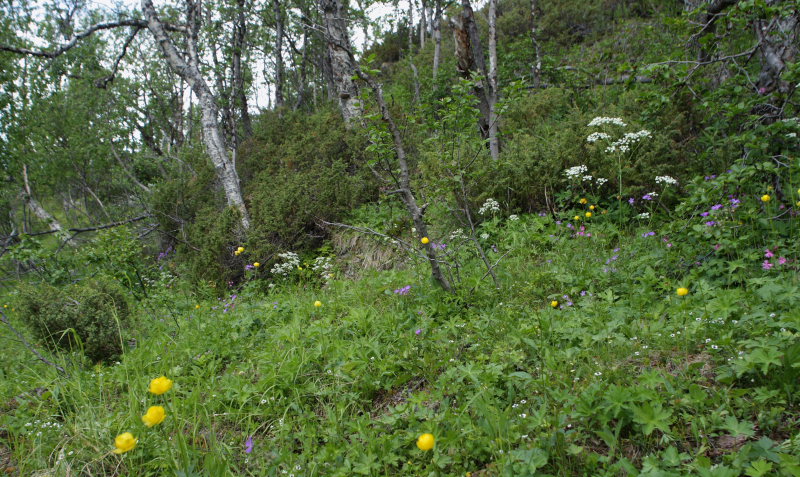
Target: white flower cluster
x=490 y=206
x=644 y=215
x=323 y=266
x=575 y=172
x=290 y=262
x=600 y=120
x=624 y=143
x=457 y=234
x=513 y=217
x=587 y=178
x=596 y=136
x=666 y=180
x=485 y=236
x=601 y=180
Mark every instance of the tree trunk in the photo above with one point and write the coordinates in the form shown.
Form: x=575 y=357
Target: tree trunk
x=492 y=94
x=423 y=25
x=778 y=45
x=536 y=69
x=239 y=47
x=279 y=70
x=189 y=71
x=471 y=63
x=437 y=37
x=37 y=209
x=410 y=26
x=342 y=68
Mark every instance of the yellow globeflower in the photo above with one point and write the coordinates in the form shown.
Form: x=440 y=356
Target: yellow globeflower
x=237 y=253
x=124 y=442
x=584 y=201
x=256 y=264
x=197 y=307
x=577 y=217
x=592 y=207
x=766 y=198
x=683 y=291
x=160 y=385
x=554 y=303
x=425 y=240
x=317 y=303
x=588 y=215
x=240 y=249
x=426 y=442
x=154 y=415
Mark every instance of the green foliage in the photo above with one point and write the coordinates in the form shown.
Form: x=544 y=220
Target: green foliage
x=90 y=316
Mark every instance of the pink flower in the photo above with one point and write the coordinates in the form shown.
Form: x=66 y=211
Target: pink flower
x=768 y=254
x=782 y=260
x=767 y=265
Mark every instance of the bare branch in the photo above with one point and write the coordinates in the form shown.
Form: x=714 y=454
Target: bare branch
x=103 y=82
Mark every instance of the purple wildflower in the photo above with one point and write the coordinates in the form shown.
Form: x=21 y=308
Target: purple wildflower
x=710 y=223
x=248 y=445
x=767 y=265
x=647 y=197
x=403 y=291
x=418 y=332
x=631 y=200
x=717 y=207
x=705 y=214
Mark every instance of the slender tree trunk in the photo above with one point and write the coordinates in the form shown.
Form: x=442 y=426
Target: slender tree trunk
x=189 y=71
x=492 y=93
x=404 y=184
x=536 y=68
x=239 y=48
x=342 y=67
x=410 y=26
x=37 y=209
x=302 y=90
x=279 y=70
x=437 y=37
x=423 y=25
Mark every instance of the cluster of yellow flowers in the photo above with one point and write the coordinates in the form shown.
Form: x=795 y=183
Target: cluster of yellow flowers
x=588 y=213
x=239 y=251
x=155 y=415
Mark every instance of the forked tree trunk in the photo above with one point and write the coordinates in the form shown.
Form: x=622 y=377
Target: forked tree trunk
x=342 y=68
x=188 y=70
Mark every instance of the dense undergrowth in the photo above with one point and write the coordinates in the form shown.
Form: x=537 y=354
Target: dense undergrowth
x=618 y=375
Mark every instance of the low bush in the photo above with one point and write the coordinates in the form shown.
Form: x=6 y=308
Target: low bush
x=88 y=316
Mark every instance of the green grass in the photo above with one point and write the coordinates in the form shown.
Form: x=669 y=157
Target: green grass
x=629 y=379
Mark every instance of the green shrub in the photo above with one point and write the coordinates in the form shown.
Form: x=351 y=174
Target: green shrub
x=87 y=315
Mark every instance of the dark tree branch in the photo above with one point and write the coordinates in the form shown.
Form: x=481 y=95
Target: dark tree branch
x=103 y=82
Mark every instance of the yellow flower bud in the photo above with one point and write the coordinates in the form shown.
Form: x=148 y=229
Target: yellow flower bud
x=197 y=307
x=160 y=385
x=124 y=442
x=584 y=201
x=683 y=291
x=766 y=198
x=425 y=240
x=588 y=214
x=426 y=442
x=592 y=207
x=317 y=304
x=256 y=264
x=577 y=217
x=154 y=415
x=554 y=303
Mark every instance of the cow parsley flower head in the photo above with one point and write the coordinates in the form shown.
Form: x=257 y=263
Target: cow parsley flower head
x=624 y=143
x=490 y=206
x=666 y=180
x=601 y=120
x=597 y=136
x=290 y=261
x=575 y=172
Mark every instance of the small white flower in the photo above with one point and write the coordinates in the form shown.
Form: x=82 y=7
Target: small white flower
x=666 y=180
x=575 y=172
x=598 y=373
x=485 y=236
x=513 y=217
x=596 y=136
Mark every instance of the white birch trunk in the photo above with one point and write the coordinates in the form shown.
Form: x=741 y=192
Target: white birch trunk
x=342 y=69
x=189 y=72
